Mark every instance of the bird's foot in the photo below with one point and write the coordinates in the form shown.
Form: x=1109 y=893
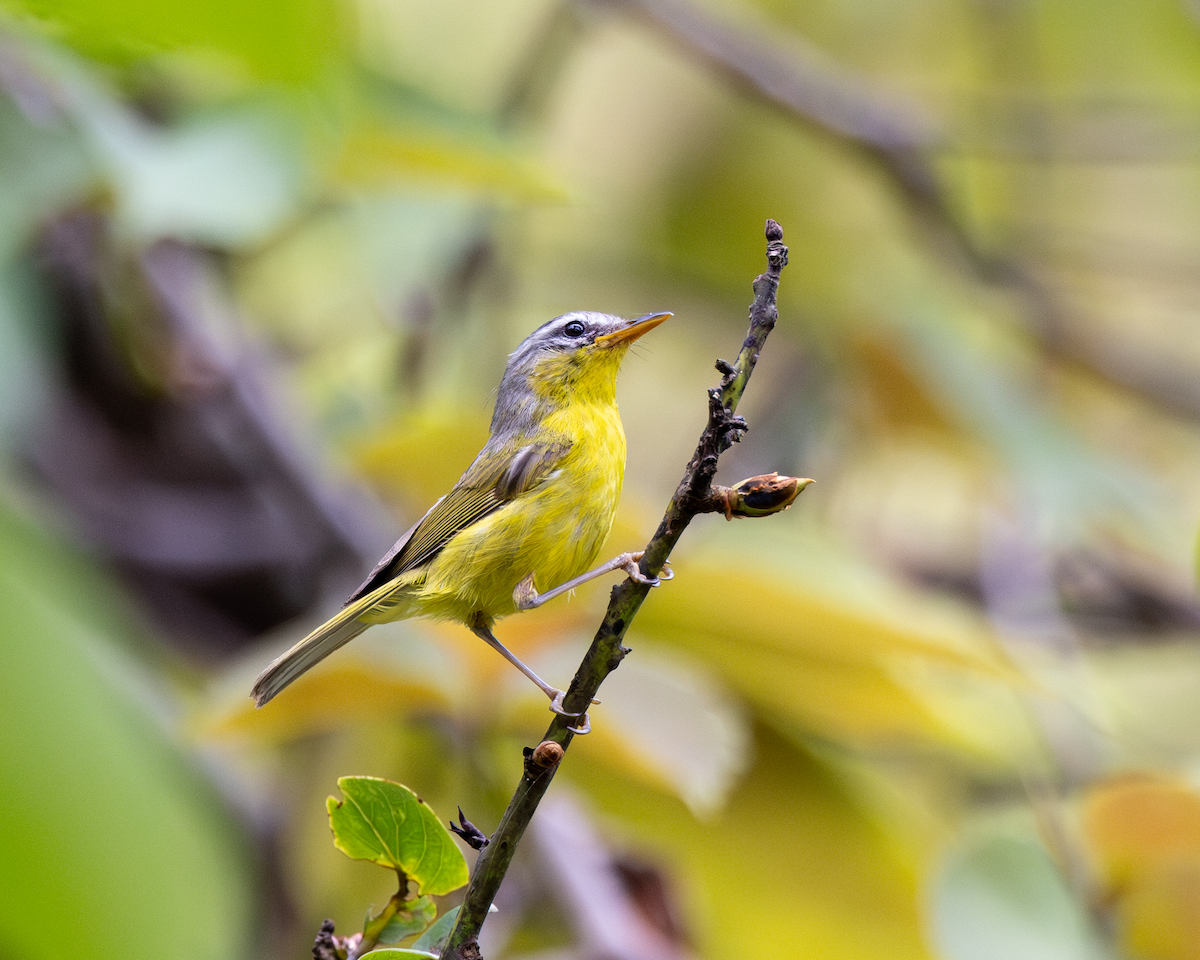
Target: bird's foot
x=630 y=566
x=525 y=594
x=526 y=597
x=584 y=724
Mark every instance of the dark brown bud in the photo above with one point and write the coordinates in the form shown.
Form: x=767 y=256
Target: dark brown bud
x=547 y=754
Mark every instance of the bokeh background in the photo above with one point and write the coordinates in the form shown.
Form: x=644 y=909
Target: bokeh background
x=260 y=267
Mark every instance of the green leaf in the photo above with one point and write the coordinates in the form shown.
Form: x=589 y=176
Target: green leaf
x=1001 y=896
x=44 y=168
x=387 y=823
x=289 y=41
x=417 y=915
x=99 y=797
x=435 y=937
x=225 y=178
x=399 y=953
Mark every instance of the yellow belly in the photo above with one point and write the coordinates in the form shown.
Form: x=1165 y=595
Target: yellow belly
x=554 y=531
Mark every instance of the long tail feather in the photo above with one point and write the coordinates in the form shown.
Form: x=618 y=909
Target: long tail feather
x=314 y=648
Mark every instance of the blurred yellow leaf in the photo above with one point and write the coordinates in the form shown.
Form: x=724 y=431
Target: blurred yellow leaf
x=336 y=693
x=747 y=600
x=828 y=662
x=396 y=456
x=1139 y=822
x=897 y=400
x=803 y=861
x=1145 y=834
x=393 y=670
x=1161 y=913
x=375 y=156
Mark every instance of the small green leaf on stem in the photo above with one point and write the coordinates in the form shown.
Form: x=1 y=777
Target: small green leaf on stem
x=413 y=917
x=387 y=823
x=433 y=938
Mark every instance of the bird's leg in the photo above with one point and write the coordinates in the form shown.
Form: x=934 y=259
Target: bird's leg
x=526 y=597
x=482 y=630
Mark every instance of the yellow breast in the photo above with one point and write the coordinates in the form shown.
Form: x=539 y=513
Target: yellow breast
x=554 y=530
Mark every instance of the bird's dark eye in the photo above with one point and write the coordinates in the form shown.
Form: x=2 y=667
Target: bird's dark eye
x=574 y=329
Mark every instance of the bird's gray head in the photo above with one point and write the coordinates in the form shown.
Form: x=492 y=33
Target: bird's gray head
x=572 y=357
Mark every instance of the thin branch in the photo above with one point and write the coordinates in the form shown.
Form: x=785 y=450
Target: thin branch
x=900 y=143
x=692 y=496
x=809 y=87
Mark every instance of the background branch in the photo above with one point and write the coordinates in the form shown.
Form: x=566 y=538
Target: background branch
x=900 y=142
x=809 y=87
x=692 y=496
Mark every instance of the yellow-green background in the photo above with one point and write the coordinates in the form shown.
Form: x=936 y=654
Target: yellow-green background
x=899 y=721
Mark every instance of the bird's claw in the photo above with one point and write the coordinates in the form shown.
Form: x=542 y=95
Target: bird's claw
x=585 y=725
x=635 y=573
x=637 y=576
x=525 y=594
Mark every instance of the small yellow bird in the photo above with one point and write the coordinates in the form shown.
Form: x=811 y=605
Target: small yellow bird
x=532 y=511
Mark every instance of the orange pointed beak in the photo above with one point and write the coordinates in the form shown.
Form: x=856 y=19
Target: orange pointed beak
x=635 y=329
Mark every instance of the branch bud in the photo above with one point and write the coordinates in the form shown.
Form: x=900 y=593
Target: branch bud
x=760 y=496
x=547 y=754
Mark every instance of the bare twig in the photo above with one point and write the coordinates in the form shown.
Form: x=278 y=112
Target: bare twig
x=607 y=651
x=809 y=87
x=900 y=143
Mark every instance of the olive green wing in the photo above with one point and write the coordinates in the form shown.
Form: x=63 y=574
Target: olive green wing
x=495 y=478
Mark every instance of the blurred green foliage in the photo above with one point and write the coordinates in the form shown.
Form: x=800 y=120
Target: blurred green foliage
x=258 y=259
x=109 y=836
